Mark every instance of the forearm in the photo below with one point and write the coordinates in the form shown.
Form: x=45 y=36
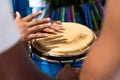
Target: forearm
x=17 y=66
x=102 y=62
x=111 y=20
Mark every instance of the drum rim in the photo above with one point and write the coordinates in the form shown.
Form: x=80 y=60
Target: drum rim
x=62 y=58
x=80 y=56
x=56 y=61
x=57 y=58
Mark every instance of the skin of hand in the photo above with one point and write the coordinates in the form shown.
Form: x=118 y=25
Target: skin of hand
x=29 y=27
x=68 y=73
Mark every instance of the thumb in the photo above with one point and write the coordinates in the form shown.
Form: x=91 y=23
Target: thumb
x=18 y=16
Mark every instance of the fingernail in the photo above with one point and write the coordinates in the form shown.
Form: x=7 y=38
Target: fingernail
x=49 y=24
x=48 y=19
x=51 y=30
x=59 y=25
x=40 y=11
x=16 y=12
x=59 y=21
x=57 y=28
x=45 y=34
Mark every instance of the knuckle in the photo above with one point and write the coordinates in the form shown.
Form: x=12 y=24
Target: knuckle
x=45 y=19
x=31 y=16
x=36 y=26
x=36 y=21
x=36 y=36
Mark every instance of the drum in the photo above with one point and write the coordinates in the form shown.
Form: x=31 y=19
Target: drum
x=67 y=46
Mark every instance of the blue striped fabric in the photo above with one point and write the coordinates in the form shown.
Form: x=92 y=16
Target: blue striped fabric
x=22 y=6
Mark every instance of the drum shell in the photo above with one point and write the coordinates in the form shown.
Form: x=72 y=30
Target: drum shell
x=52 y=68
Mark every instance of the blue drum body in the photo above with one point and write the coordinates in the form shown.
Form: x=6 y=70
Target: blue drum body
x=52 y=68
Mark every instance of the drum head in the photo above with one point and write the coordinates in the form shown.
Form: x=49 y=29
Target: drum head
x=73 y=39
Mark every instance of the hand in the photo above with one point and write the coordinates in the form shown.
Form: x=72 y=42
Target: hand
x=56 y=26
x=68 y=73
x=29 y=27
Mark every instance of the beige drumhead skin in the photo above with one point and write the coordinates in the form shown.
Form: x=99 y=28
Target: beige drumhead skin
x=72 y=39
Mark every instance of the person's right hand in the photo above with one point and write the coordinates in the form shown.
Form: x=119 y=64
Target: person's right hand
x=29 y=27
x=68 y=73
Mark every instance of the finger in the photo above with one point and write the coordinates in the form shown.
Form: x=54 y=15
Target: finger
x=37 y=35
x=57 y=22
x=18 y=16
x=67 y=67
x=32 y=16
x=39 y=28
x=56 y=27
x=48 y=30
x=38 y=22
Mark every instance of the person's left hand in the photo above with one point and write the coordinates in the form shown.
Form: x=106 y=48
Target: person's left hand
x=56 y=26
x=28 y=27
x=68 y=73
